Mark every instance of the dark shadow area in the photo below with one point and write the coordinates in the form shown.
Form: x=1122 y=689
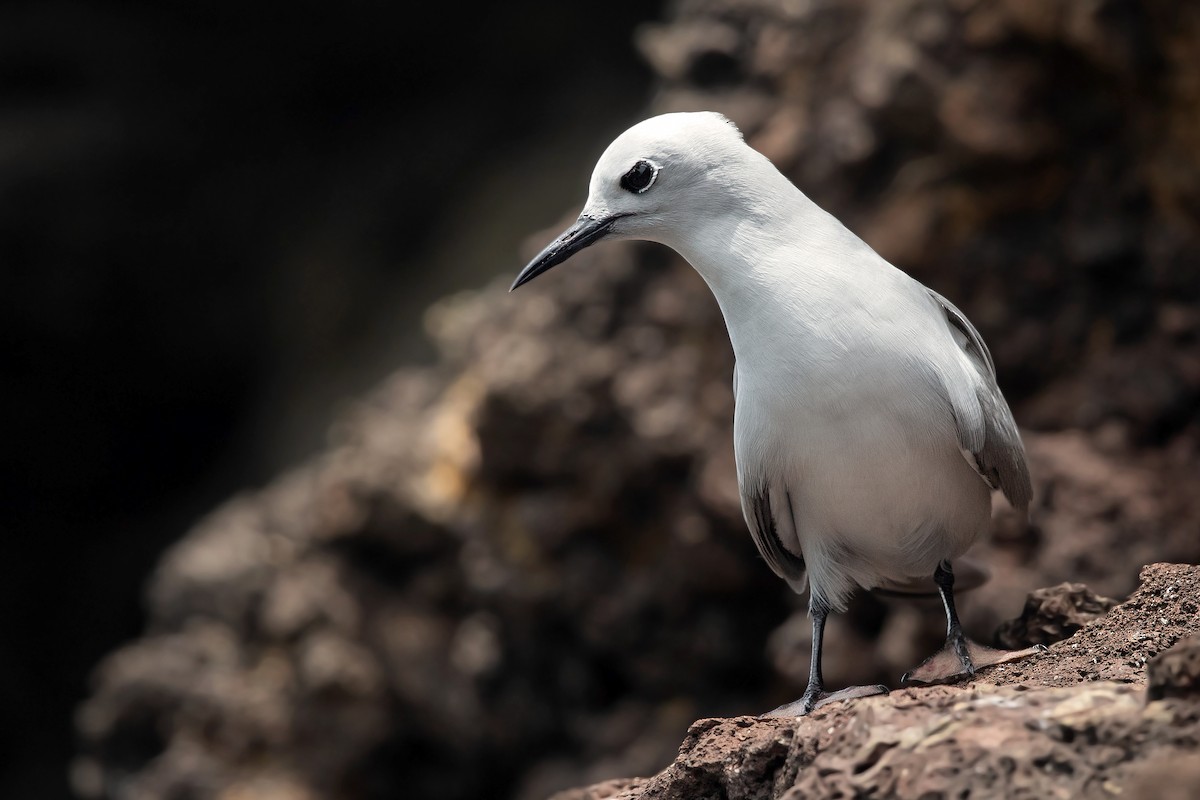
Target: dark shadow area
x=216 y=221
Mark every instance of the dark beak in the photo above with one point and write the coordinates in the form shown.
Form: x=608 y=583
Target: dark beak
x=585 y=231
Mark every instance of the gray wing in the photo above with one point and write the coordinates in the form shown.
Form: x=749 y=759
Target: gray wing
x=761 y=520
x=986 y=428
x=756 y=507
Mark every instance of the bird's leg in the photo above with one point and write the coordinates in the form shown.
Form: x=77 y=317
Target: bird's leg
x=960 y=657
x=815 y=695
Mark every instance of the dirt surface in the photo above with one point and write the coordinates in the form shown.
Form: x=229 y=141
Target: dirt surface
x=1117 y=646
x=1073 y=722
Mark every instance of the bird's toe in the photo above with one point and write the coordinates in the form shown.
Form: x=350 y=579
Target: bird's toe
x=815 y=700
x=961 y=658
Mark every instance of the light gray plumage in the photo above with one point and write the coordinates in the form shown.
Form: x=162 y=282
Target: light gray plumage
x=869 y=429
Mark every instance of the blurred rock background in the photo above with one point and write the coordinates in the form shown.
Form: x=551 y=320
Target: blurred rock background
x=522 y=567
x=218 y=222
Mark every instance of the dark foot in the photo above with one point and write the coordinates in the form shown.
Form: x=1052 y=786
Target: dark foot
x=962 y=658
x=816 y=698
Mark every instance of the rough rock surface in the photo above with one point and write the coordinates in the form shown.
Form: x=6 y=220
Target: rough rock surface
x=1053 y=614
x=525 y=569
x=1176 y=673
x=1073 y=722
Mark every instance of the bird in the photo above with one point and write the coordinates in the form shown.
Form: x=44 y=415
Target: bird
x=869 y=429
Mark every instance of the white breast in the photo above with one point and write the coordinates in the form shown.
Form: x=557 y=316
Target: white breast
x=845 y=415
x=838 y=401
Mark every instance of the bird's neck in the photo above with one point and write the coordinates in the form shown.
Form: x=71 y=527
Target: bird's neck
x=772 y=267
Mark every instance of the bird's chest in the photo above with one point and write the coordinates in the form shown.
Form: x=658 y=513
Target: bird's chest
x=873 y=464
x=842 y=415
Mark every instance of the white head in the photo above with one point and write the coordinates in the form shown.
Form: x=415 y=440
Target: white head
x=660 y=179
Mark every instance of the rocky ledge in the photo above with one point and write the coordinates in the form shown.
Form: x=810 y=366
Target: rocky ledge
x=1109 y=712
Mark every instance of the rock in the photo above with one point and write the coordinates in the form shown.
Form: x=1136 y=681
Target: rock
x=1172 y=777
x=1048 y=729
x=1176 y=672
x=619 y=789
x=1118 y=645
x=949 y=742
x=1053 y=614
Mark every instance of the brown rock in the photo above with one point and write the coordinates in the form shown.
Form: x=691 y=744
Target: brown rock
x=1176 y=672
x=1173 y=777
x=1052 y=729
x=1118 y=645
x=619 y=789
x=1053 y=614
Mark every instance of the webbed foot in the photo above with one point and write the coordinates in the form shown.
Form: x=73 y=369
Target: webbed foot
x=816 y=697
x=961 y=658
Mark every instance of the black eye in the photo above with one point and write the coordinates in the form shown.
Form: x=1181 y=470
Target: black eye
x=640 y=177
